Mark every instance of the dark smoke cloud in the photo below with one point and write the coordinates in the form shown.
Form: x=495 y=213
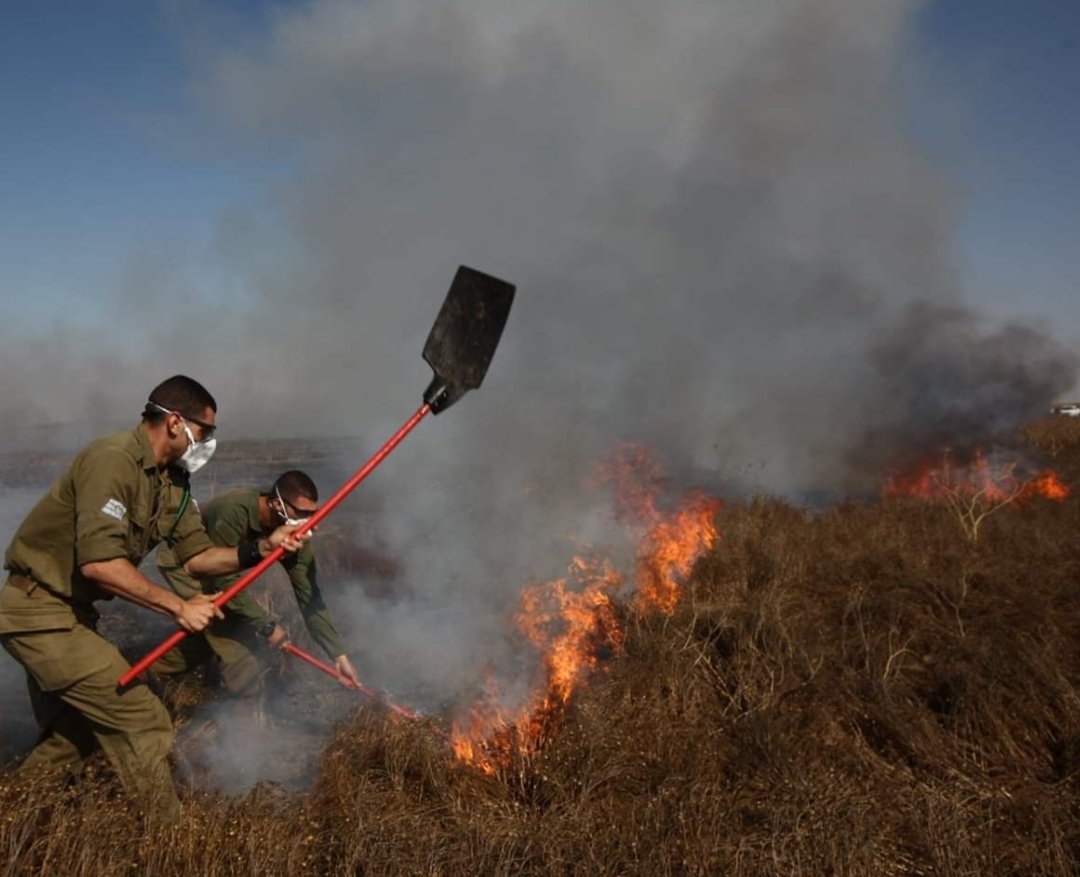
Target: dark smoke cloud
x=726 y=244
x=948 y=381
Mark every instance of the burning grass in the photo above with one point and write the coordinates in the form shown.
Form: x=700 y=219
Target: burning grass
x=858 y=692
x=572 y=623
x=975 y=485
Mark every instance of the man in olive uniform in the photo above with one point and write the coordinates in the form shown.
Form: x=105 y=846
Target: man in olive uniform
x=230 y=518
x=82 y=542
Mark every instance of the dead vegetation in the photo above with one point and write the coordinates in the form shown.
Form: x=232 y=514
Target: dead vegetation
x=859 y=692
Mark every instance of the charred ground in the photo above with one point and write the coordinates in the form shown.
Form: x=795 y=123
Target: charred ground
x=858 y=691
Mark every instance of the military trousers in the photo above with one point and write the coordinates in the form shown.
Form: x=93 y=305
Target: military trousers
x=230 y=642
x=71 y=678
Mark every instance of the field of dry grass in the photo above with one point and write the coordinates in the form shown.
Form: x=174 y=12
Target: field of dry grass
x=860 y=691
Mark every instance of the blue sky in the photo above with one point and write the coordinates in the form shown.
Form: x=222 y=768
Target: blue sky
x=99 y=153
x=103 y=152
x=1005 y=88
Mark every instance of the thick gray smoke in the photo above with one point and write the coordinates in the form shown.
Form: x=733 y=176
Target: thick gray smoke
x=949 y=382
x=726 y=245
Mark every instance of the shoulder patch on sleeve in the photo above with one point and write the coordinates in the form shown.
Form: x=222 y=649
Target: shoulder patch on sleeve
x=115 y=509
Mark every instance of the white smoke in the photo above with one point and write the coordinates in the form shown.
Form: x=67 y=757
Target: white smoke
x=713 y=210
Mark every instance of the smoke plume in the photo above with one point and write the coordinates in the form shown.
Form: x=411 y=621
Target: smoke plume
x=726 y=244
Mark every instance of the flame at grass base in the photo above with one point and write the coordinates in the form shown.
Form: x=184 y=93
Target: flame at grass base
x=668 y=552
x=572 y=624
x=996 y=479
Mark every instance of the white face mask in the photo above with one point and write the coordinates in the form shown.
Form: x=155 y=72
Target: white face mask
x=284 y=515
x=198 y=454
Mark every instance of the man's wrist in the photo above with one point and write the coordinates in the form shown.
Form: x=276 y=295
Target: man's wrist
x=248 y=553
x=175 y=606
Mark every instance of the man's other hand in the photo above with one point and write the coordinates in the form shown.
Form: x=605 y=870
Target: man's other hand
x=279 y=637
x=344 y=666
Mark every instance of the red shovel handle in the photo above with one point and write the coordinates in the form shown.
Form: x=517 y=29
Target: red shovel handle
x=344 y=680
x=275 y=555
x=327 y=669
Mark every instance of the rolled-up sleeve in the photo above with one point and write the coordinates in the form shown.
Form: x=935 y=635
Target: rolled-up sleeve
x=105 y=488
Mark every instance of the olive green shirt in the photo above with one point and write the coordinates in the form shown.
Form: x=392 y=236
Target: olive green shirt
x=113 y=501
x=234 y=516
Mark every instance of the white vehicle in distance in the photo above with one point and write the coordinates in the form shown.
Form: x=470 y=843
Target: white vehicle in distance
x=1066 y=409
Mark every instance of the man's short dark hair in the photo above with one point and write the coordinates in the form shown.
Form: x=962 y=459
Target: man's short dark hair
x=293 y=485
x=179 y=393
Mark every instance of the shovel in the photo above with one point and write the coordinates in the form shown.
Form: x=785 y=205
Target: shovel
x=459 y=349
x=348 y=683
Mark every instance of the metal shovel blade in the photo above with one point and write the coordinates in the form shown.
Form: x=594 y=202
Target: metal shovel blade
x=465 y=335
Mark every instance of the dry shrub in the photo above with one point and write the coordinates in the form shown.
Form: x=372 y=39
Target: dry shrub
x=1058 y=440
x=54 y=826
x=857 y=692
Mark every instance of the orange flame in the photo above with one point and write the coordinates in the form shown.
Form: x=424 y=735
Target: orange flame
x=571 y=628
x=484 y=736
x=572 y=622
x=1048 y=486
x=668 y=551
x=993 y=481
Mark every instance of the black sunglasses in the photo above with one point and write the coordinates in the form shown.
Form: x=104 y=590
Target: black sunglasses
x=208 y=429
x=299 y=514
